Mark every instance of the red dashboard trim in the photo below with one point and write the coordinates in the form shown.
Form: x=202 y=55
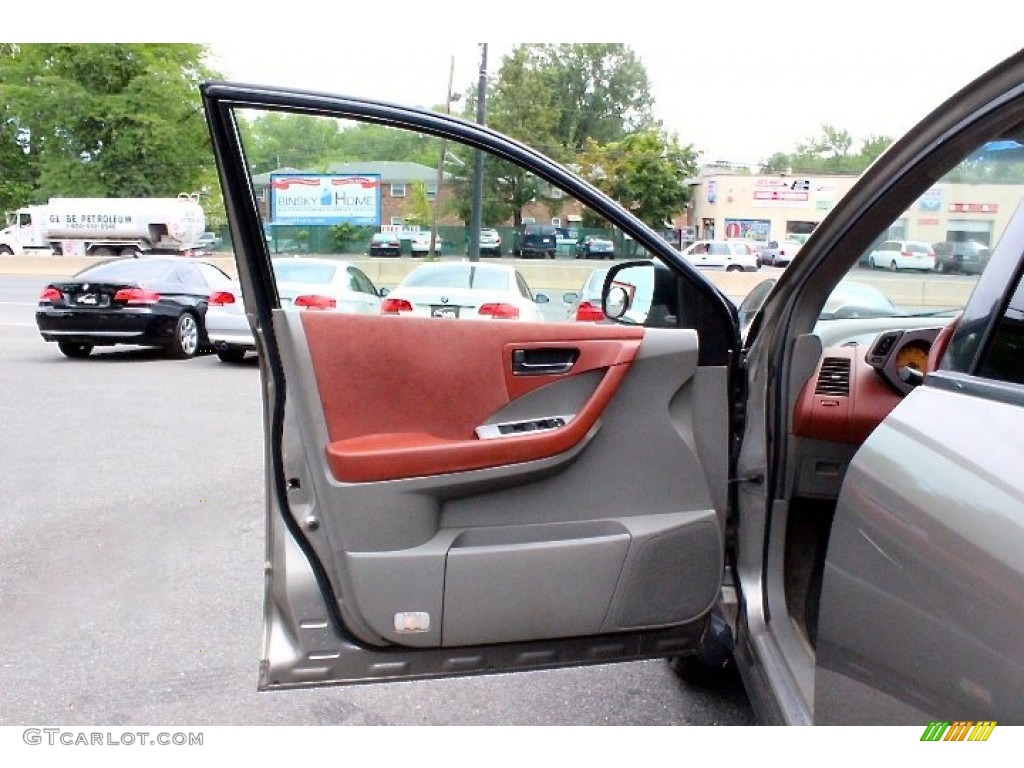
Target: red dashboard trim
x=848 y=419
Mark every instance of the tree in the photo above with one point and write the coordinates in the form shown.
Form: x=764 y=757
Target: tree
x=646 y=172
x=277 y=140
x=555 y=98
x=106 y=120
x=828 y=153
x=602 y=89
x=417 y=208
x=19 y=167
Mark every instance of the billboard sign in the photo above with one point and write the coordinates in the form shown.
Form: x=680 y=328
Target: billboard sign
x=747 y=229
x=319 y=199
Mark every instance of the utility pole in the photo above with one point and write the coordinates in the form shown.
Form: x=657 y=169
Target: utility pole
x=477 y=212
x=440 y=167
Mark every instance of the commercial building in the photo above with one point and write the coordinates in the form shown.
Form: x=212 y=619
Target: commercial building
x=763 y=207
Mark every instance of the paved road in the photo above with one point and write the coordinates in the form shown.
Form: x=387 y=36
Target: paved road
x=132 y=551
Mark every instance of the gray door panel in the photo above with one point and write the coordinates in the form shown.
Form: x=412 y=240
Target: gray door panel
x=622 y=533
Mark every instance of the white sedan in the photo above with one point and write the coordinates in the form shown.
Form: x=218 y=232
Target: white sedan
x=302 y=284
x=895 y=255
x=729 y=255
x=466 y=290
x=420 y=243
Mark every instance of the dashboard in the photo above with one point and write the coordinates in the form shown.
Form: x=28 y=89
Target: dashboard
x=857 y=384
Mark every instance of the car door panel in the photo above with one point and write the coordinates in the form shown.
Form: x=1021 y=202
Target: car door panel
x=468 y=371
x=451 y=546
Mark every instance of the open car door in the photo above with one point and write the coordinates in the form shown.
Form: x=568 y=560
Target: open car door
x=460 y=491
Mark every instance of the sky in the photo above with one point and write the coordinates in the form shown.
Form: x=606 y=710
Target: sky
x=737 y=79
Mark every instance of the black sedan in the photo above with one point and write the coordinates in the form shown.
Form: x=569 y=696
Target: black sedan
x=146 y=301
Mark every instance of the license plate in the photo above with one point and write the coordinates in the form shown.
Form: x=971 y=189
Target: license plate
x=88 y=299
x=441 y=310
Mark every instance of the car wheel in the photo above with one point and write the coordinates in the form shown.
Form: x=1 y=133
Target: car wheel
x=5 y=250
x=734 y=268
x=74 y=349
x=892 y=266
x=871 y=262
x=185 y=342
x=102 y=251
x=231 y=355
x=693 y=671
x=130 y=251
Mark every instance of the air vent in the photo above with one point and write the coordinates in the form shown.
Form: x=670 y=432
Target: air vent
x=834 y=377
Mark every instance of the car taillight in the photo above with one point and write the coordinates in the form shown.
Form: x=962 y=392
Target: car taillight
x=315 y=301
x=499 y=311
x=137 y=296
x=588 y=313
x=394 y=306
x=50 y=296
x=221 y=298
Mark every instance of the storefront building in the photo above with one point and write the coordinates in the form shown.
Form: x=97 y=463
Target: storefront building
x=774 y=207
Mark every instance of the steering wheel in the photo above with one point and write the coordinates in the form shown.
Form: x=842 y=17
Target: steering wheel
x=941 y=343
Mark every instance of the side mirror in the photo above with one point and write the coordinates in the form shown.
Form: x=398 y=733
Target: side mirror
x=541 y=298
x=383 y=292
x=570 y=297
x=628 y=292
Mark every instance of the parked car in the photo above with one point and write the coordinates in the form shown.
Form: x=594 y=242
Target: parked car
x=803 y=504
x=968 y=257
x=565 y=239
x=732 y=256
x=465 y=290
x=895 y=255
x=536 y=241
x=585 y=304
x=303 y=284
x=420 y=243
x=779 y=253
x=593 y=247
x=385 y=244
x=753 y=246
x=148 y=301
x=490 y=242
x=849 y=299
x=207 y=244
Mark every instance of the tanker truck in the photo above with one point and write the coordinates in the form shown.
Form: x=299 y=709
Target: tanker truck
x=67 y=226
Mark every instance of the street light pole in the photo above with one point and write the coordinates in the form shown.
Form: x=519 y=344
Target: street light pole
x=476 y=216
x=440 y=167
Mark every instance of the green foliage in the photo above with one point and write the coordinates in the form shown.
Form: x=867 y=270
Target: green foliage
x=105 y=120
x=603 y=91
x=344 y=235
x=646 y=172
x=828 y=153
x=556 y=98
x=417 y=209
x=279 y=140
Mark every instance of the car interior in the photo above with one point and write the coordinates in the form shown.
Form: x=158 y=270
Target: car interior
x=846 y=376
